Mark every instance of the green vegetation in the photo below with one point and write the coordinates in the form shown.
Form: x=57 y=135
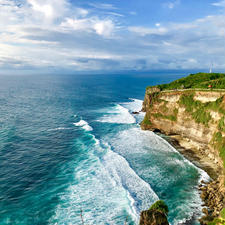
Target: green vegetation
x=160 y=206
x=172 y=117
x=199 y=80
x=221 y=125
x=154 y=97
x=200 y=111
x=222 y=213
x=197 y=109
x=146 y=120
x=218 y=142
x=217 y=221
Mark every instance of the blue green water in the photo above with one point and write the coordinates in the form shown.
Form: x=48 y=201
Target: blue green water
x=70 y=142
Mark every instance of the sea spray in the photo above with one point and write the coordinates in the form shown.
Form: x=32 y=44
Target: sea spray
x=83 y=124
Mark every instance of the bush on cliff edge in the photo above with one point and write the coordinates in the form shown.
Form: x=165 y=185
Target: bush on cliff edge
x=160 y=206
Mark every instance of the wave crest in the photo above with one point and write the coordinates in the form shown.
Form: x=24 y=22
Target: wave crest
x=117 y=114
x=83 y=124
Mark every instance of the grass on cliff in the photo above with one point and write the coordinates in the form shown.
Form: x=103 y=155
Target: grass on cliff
x=218 y=142
x=198 y=80
x=146 y=120
x=222 y=213
x=200 y=111
x=221 y=125
x=196 y=109
x=171 y=117
x=217 y=221
x=161 y=206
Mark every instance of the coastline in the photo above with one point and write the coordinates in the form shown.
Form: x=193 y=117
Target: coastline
x=207 y=190
x=190 y=152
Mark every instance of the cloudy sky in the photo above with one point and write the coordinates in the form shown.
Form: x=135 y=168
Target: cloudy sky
x=95 y=35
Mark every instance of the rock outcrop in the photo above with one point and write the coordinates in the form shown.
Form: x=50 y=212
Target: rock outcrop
x=153 y=217
x=156 y=215
x=196 y=119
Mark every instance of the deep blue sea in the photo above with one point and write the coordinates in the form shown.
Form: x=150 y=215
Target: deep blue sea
x=70 y=143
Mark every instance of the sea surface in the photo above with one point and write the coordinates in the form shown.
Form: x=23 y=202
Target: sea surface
x=71 y=150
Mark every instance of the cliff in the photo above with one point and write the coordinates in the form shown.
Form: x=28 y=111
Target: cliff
x=196 y=119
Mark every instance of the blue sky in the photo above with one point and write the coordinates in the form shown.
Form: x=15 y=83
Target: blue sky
x=111 y=35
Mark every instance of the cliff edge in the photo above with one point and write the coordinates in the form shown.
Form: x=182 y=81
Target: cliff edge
x=192 y=111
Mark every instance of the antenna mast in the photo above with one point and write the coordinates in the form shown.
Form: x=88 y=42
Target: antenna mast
x=210 y=70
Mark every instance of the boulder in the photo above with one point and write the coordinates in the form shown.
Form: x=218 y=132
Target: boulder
x=153 y=217
x=156 y=215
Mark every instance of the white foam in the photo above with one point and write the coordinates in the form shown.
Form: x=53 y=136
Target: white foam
x=121 y=172
x=203 y=175
x=84 y=124
x=97 y=142
x=135 y=105
x=104 y=186
x=117 y=114
x=138 y=145
x=60 y=128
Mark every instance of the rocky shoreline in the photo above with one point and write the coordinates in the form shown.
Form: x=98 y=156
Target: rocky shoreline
x=211 y=194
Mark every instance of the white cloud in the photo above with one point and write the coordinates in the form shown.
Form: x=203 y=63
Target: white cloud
x=219 y=3
x=143 y=31
x=171 y=5
x=104 y=28
x=54 y=33
x=104 y=6
x=101 y=27
x=48 y=9
x=133 y=13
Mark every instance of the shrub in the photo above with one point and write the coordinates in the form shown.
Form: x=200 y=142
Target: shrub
x=218 y=142
x=198 y=80
x=221 y=125
x=197 y=109
x=146 y=120
x=222 y=213
x=160 y=206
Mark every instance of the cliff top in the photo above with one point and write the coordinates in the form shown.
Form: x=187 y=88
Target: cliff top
x=195 y=81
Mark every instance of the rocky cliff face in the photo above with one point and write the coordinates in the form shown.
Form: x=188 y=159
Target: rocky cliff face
x=153 y=217
x=156 y=215
x=197 y=120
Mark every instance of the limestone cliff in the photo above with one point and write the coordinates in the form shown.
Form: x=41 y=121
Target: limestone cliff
x=196 y=118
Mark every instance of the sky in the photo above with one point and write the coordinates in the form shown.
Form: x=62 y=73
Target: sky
x=111 y=35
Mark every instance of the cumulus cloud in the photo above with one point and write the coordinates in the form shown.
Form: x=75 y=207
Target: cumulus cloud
x=93 y=24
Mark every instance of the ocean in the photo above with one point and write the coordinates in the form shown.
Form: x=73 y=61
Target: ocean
x=71 y=150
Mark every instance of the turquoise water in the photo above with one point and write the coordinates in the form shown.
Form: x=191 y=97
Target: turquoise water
x=70 y=143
